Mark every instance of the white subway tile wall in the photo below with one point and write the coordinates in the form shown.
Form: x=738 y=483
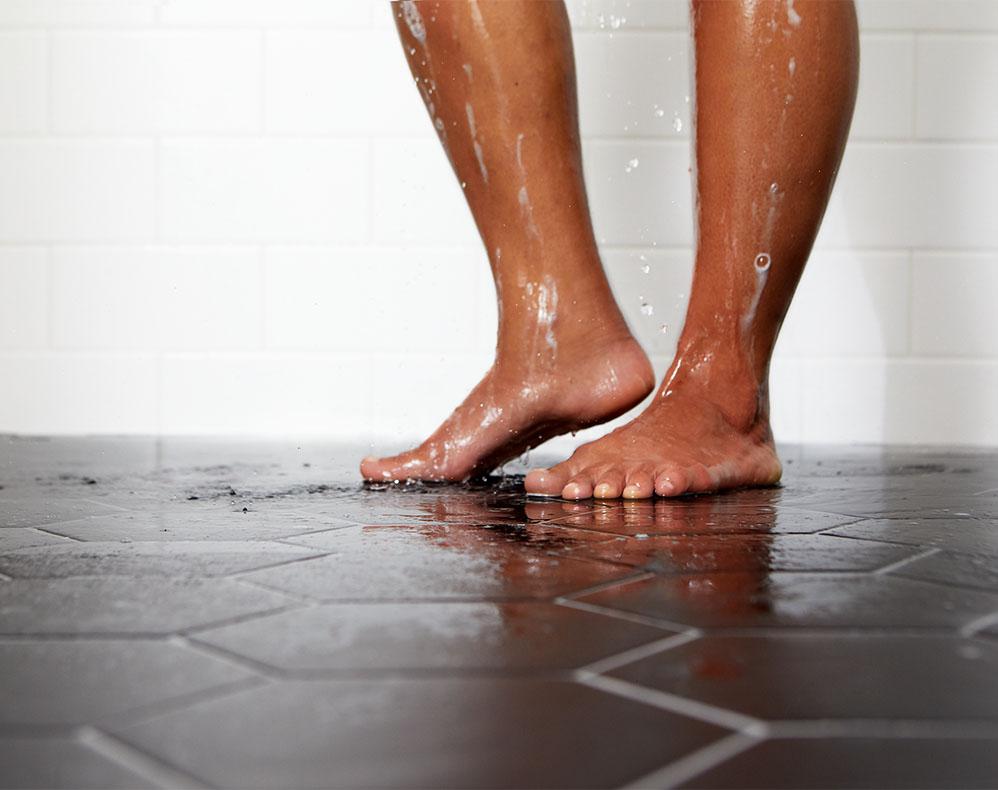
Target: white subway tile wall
x=232 y=216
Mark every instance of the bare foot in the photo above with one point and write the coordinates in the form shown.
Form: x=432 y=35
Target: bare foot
x=517 y=406
x=689 y=440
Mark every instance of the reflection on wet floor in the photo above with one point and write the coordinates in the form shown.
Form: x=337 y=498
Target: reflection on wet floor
x=172 y=616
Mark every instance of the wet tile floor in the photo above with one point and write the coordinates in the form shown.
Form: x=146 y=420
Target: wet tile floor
x=189 y=614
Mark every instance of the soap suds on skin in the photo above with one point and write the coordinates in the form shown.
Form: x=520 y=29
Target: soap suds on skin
x=526 y=208
x=475 y=143
x=476 y=18
x=414 y=21
x=792 y=16
x=528 y=212
x=547 y=311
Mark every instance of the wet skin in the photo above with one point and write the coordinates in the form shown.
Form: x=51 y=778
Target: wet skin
x=775 y=88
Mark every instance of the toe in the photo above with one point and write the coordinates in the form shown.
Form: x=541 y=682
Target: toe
x=639 y=485
x=670 y=482
x=610 y=484
x=579 y=487
x=700 y=479
x=372 y=468
x=545 y=482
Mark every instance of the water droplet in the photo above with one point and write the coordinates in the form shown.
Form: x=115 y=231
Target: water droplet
x=677 y=124
x=631 y=165
x=646 y=268
x=762 y=262
x=774 y=187
x=664 y=329
x=659 y=112
x=647 y=309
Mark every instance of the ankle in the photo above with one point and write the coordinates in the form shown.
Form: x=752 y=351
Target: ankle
x=724 y=379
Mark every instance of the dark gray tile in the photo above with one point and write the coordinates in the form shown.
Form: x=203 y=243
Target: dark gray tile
x=493 y=636
x=968 y=535
x=872 y=763
x=420 y=733
x=42 y=508
x=965 y=570
x=180 y=558
x=122 y=605
x=752 y=600
x=186 y=523
x=930 y=498
x=60 y=763
x=827 y=677
x=76 y=682
x=440 y=561
x=745 y=552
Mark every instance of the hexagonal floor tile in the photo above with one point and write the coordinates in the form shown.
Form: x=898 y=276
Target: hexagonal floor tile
x=856 y=676
x=421 y=636
x=453 y=733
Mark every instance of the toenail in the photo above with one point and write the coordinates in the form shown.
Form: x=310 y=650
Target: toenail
x=571 y=491
x=602 y=491
x=632 y=492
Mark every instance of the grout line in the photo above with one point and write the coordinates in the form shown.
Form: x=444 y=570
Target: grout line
x=883 y=728
x=916 y=38
x=194 y=630
x=974 y=626
x=637 y=653
x=621 y=615
x=304 y=599
x=700 y=711
x=150 y=768
x=245 y=663
x=45 y=531
x=596 y=588
x=49 y=83
x=685 y=768
x=118 y=508
x=165 y=707
x=665 y=140
x=901 y=563
x=49 y=298
x=280 y=564
x=909 y=329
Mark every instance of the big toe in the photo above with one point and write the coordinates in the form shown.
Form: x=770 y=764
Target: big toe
x=545 y=482
x=372 y=468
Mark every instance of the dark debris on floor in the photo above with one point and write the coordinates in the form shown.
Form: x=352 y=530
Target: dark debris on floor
x=178 y=613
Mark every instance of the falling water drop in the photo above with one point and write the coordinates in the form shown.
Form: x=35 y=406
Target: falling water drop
x=677 y=124
x=631 y=165
x=647 y=309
